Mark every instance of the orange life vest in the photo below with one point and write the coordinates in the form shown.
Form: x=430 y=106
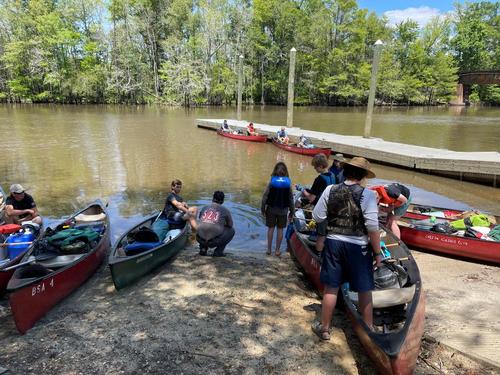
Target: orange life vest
x=384 y=197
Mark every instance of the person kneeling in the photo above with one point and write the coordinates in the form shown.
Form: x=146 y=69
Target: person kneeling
x=215 y=228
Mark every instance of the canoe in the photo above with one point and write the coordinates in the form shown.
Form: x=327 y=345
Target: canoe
x=6 y=271
x=292 y=147
x=415 y=231
x=126 y=269
x=32 y=295
x=242 y=137
x=398 y=314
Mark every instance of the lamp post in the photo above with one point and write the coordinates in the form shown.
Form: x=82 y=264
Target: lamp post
x=291 y=79
x=373 y=86
x=240 y=87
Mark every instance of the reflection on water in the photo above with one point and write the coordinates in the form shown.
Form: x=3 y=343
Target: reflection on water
x=69 y=155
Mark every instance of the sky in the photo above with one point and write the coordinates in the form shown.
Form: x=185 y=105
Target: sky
x=420 y=11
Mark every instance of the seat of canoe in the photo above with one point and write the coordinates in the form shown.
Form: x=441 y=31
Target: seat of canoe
x=61 y=260
x=388 y=297
x=88 y=218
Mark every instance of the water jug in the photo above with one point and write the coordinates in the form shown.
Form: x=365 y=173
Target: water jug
x=18 y=243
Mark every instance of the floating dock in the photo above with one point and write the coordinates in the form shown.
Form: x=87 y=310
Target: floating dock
x=479 y=167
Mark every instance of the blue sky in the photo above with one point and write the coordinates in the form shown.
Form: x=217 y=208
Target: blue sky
x=400 y=10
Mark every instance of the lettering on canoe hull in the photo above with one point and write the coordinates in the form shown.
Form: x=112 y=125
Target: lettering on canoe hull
x=142 y=259
x=40 y=288
x=450 y=240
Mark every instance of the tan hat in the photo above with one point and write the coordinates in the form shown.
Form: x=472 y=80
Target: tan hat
x=362 y=163
x=339 y=157
x=16 y=188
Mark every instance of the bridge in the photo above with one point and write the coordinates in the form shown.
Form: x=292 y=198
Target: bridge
x=467 y=79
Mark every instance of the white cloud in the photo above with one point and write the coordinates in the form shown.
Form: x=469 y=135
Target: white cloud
x=421 y=15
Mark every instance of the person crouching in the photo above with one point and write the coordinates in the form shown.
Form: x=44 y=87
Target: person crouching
x=215 y=228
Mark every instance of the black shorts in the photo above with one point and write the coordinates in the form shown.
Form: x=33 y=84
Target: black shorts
x=274 y=220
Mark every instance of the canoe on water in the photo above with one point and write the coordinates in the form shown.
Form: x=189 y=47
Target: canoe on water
x=398 y=314
x=45 y=278
x=243 y=137
x=7 y=264
x=130 y=260
x=292 y=147
x=416 y=226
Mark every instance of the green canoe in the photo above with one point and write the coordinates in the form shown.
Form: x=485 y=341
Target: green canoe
x=126 y=269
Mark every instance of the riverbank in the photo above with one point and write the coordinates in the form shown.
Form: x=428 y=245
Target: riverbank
x=242 y=314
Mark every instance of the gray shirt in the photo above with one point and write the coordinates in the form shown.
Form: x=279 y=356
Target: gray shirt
x=213 y=219
x=368 y=207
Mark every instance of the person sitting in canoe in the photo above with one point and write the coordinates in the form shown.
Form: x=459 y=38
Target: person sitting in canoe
x=225 y=127
x=20 y=207
x=251 y=129
x=395 y=200
x=215 y=228
x=337 y=168
x=352 y=226
x=176 y=210
x=305 y=142
x=282 y=136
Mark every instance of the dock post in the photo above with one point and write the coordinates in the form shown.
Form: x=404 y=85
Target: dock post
x=291 y=80
x=373 y=86
x=240 y=87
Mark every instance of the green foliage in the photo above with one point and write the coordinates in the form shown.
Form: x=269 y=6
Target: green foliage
x=185 y=52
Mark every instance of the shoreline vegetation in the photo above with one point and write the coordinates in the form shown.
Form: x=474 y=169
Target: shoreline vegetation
x=186 y=52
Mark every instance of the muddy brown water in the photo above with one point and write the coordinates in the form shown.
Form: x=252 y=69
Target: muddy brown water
x=127 y=155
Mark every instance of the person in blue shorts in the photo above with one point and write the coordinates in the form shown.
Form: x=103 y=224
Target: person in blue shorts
x=352 y=242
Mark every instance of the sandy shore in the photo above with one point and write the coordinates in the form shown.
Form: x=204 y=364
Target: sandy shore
x=242 y=314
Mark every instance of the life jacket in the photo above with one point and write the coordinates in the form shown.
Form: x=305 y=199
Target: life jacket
x=344 y=213
x=384 y=197
x=279 y=192
x=480 y=220
x=329 y=178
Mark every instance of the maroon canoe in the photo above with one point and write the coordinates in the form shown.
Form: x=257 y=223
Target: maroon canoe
x=242 y=137
x=398 y=314
x=6 y=270
x=33 y=294
x=292 y=147
x=415 y=231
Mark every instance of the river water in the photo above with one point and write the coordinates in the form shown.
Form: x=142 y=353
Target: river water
x=66 y=156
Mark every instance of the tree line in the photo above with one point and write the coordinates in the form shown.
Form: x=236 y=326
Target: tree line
x=185 y=52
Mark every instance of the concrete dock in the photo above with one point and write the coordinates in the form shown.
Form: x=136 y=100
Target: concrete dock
x=478 y=167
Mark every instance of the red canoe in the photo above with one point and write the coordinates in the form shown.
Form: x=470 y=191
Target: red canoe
x=6 y=273
x=292 y=147
x=415 y=232
x=399 y=314
x=242 y=137
x=32 y=295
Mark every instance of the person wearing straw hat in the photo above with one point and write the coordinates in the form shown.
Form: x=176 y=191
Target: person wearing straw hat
x=20 y=207
x=337 y=167
x=351 y=214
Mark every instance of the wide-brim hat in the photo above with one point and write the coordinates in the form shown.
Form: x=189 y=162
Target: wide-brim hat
x=362 y=163
x=339 y=157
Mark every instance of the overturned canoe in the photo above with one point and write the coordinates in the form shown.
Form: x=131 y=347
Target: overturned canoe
x=40 y=284
x=126 y=269
x=242 y=137
x=302 y=150
x=398 y=314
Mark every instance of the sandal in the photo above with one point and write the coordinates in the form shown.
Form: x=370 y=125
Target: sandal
x=320 y=332
x=268 y=252
x=277 y=253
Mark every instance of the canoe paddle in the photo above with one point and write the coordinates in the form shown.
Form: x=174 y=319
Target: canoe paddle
x=15 y=243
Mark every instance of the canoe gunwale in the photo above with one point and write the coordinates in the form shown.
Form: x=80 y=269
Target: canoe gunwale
x=241 y=137
x=302 y=150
